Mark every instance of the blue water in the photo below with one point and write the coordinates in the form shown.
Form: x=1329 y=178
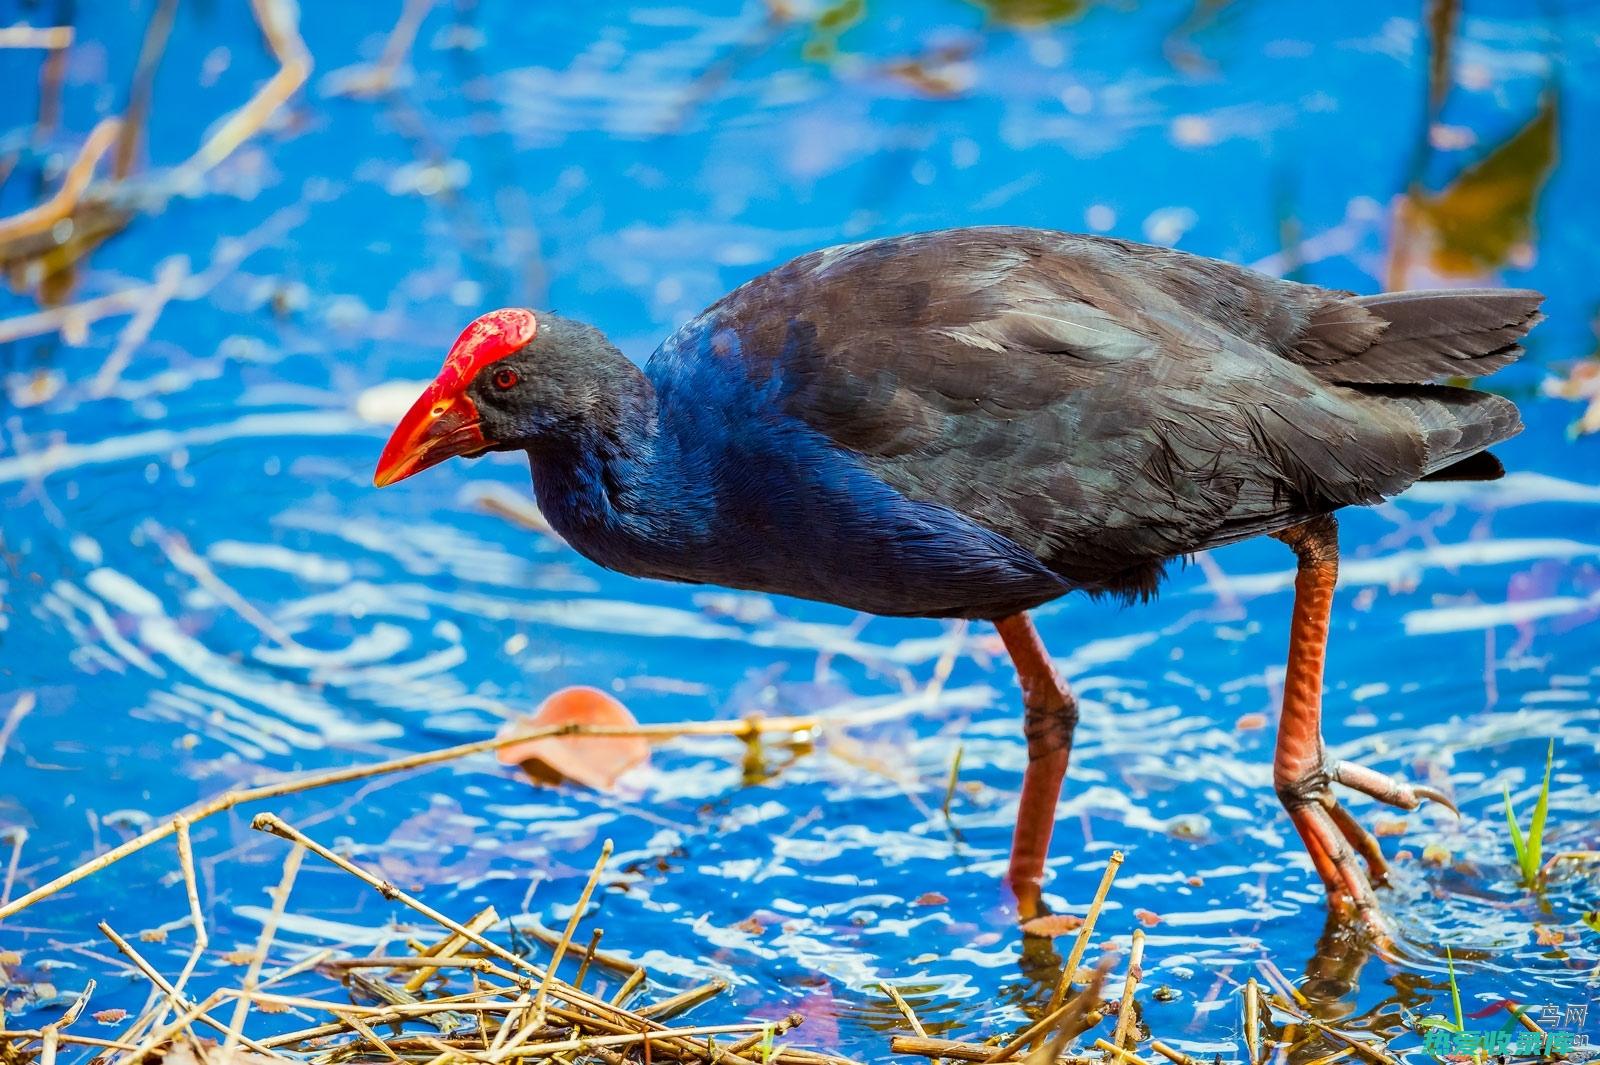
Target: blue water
x=626 y=167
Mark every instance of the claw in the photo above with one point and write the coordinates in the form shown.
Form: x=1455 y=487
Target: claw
x=1423 y=791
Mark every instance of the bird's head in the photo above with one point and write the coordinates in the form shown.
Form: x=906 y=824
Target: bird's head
x=512 y=380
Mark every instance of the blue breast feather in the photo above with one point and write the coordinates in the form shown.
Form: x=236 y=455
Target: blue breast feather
x=733 y=491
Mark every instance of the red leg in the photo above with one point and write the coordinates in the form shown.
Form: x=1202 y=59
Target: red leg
x=1051 y=717
x=1301 y=769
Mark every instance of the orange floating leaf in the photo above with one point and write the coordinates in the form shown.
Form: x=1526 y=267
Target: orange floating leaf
x=594 y=761
x=1052 y=925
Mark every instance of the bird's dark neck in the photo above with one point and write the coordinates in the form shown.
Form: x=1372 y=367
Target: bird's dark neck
x=614 y=486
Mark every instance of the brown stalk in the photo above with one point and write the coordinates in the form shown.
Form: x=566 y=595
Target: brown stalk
x=794 y=1020
x=310 y=781
x=269 y=931
x=615 y=962
x=629 y=985
x=39 y=218
x=1252 y=1021
x=588 y=956
x=1119 y=1053
x=49 y=38
x=1135 y=974
x=277 y=826
x=566 y=936
x=684 y=1001
x=1075 y=1011
x=1172 y=1054
x=450 y=945
x=1081 y=943
x=167 y=989
x=278 y=24
x=954 y=1049
x=904 y=1007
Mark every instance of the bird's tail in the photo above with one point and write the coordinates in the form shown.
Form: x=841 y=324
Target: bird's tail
x=1458 y=425
x=1439 y=333
x=1434 y=333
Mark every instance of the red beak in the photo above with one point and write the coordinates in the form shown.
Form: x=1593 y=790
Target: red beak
x=438 y=426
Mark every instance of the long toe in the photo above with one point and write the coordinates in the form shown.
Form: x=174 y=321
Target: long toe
x=1323 y=830
x=1387 y=789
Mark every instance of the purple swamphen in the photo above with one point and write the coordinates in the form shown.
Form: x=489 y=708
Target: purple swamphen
x=972 y=422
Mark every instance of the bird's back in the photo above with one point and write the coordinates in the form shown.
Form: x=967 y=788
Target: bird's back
x=1105 y=405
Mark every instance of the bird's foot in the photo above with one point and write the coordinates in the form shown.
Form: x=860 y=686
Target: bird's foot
x=1333 y=836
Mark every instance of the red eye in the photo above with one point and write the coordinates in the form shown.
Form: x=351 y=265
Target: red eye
x=505 y=378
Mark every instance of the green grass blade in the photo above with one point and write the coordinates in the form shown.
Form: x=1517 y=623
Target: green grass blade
x=1517 y=844
x=1455 y=992
x=1535 y=851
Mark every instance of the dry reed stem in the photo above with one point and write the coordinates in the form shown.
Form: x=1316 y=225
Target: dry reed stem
x=310 y=961
x=1172 y=1054
x=1329 y=1059
x=202 y=940
x=50 y=1036
x=1071 y=1022
x=467 y=1002
x=927 y=1047
x=278 y=23
x=379 y=78
x=402 y=961
x=779 y=1026
x=948 y=656
x=20 y=709
x=28 y=1035
x=158 y=1041
x=1119 y=1053
x=368 y=1034
x=1081 y=943
x=615 y=962
x=955 y=778
x=268 y=822
x=1009 y=1049
x=904 y=1007
x=566 y=936
x=172 y=272
x=167 y=989
x=327 y=778
x=481 y=921
x=1252 y=1021
x=1361 y=1047
x=683 y=1001
x=630 y=984
x=588 y=956
x=49 y=38
x=631 y=1038
x=269 y=931
x=39 y=218
x=1135 y=974
x=1282 y=983
x=156 y=34
x=1052 y=1020
x=72 y=319
x=19 y=836
x=374 y=1014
